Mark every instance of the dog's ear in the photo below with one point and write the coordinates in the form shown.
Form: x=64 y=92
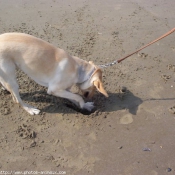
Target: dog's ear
x=97 y=81
x=98 y=84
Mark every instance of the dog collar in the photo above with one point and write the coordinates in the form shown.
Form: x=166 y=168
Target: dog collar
x=88 y=76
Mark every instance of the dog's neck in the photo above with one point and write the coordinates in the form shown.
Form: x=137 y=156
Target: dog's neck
x=84 y=75
x=85 y=70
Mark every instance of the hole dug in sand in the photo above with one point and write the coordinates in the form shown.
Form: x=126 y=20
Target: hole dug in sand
x=82 y=111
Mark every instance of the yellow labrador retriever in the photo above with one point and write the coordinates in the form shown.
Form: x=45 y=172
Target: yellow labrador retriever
x=48 y=66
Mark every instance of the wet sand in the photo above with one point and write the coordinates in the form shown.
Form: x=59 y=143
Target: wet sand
x=130 y=133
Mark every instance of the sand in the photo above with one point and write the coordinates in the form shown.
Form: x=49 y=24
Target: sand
x=129 y=133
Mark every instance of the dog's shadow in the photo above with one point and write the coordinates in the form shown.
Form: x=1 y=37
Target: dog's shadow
x=115 y=102
x=123 y=101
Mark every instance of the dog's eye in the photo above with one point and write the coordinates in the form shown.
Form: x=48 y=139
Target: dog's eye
x=86 y=94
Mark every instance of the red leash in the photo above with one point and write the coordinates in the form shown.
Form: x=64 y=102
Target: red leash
x=118 y=61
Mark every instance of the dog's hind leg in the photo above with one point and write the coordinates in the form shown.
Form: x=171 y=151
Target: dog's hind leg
x=8 y=79
x=5 y=86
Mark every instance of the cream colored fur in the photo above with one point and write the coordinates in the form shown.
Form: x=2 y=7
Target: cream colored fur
x=48 y=66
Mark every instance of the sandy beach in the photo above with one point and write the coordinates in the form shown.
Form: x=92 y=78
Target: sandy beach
x=130 y=133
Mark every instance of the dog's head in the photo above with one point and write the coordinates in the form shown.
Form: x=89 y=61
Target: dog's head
x=93 y=83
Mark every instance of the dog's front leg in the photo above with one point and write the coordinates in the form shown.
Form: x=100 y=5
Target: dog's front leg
x=72 y=97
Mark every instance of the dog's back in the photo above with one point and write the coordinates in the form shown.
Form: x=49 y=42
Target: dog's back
x=13 y=45
x=32 y=55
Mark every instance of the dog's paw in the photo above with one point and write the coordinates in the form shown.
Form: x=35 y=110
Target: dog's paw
x=32 y=110
x=88 y=106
